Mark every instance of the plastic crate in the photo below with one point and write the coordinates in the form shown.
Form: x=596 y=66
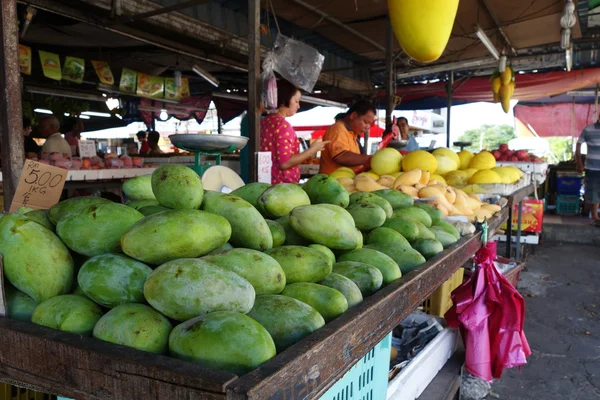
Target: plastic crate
x=367 y=379
x=568 y=184
x=567 y=204
x=439 y=302
x=10 y=392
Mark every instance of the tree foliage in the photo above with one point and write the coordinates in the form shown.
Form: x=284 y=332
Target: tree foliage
x=488 y=137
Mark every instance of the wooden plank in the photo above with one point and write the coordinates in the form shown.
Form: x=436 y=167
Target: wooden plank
x=254 y=91
x=520 y=194
x=308 y=368
x=11 y=123
x=82 y=367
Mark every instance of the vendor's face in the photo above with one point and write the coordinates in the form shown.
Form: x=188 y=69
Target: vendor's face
x=361 y=123
x=294 y=106
x=403 y=125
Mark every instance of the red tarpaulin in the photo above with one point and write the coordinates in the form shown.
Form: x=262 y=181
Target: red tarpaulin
x=374 y=132
x=556 y=119
x=529 y=86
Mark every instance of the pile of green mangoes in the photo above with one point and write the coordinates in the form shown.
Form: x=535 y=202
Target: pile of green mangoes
x=222 y=280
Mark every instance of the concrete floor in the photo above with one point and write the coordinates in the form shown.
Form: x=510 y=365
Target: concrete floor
x=561 y=287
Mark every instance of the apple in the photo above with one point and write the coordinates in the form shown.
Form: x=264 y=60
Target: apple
x=76 y=163
x=509 y=153
x=86 y=163
x=137 y=161
x=522 y=155
x=503 y=157
x=497 y=154
x=513 y=158
x=503 y=148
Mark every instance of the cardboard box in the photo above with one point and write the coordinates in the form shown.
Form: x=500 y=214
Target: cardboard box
x=533 y=216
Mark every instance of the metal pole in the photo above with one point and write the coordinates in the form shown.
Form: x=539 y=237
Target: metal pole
x=11 y=124
x=519 y=220
x=596 y=104
x=253 y=85
x=509 y=231
x=219 y=123
x=449 y=94
x=389 y=78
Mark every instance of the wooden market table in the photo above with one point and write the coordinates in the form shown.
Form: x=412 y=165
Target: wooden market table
x=516 y=198
x=81 y=367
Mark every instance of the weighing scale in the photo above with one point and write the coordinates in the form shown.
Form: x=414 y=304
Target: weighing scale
x=208 y=145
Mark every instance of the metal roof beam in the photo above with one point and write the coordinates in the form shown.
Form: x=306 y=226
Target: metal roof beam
x=498 y=26
x=162 y=10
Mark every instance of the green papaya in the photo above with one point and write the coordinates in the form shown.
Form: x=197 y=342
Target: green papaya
x=330 y=303
x=301 y=264
x=435 y=214
x=414 y=213
x=387 y=236
x=386 y=265
x=367 y=216
x=74 y=205
x=262 y=271
x=345 y=286
x=429 y=248
x=331 y=227
x=279 y=200
x=406 y=258
x=406 y=227
x=177 y=186
x=277 y=232
x=251 y=192
x=367 y=197
x=288 y=320
x=322 y=188
x=139 y=188
x=151 y=240
x=248 y=227
x=396 y=198
x=368 y=278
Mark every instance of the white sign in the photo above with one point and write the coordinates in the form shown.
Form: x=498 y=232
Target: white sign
x=264 y=165
x=40 y=186
x=87 y=148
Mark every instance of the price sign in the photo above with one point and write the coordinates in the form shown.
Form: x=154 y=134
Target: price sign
x=39 y=187
x=87 y=148
x=264 y=165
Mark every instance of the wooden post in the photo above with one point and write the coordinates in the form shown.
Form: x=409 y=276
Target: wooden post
x=253 y=85
x=11 y=122
x=449 y=92
x=389 y=78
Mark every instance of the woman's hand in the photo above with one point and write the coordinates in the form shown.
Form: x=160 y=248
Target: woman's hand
x=318 y=145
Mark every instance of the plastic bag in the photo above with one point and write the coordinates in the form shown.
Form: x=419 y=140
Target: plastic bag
x=269 y=83
x=297 y=62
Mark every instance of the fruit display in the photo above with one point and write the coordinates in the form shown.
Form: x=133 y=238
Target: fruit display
x=222 y=280
x=503 y=87
x=443 y=177
x=110 y=161
x=503 y=153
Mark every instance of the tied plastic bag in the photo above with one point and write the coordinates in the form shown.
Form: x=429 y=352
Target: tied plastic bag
x=269 y=83
x=297 y=62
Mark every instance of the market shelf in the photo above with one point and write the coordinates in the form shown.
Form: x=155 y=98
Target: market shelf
x=80 y=367
x=99 y=174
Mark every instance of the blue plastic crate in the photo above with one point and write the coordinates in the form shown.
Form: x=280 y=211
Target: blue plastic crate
x=568 y=184
x=367 y=379
x=567 y=205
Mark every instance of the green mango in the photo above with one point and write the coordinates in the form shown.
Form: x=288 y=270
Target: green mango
x=97 y=229
x=277 y=232
x=301 y=264
x=227 y=341
x=186 y=288
x=325 y=251
x=330 y=303
x=292 y=238
x=424 y=232
x=135 y=325
x=19 y=306
x=445 y=238
x=226 y=246
x=177 y=186
x=448 y=228
x=279 y=200
x=331 y=227
x=251 y=192
x=36 y=262
x=414 y=213
x=366 y=197
x=139 y=204
x=154 y=209
x=74 y=205
x=41 y=217
x=248 y=228
x=406 y=227
x=435 y=214
x=345 y=286
x=113 y=279
x=396 y=198
x=152 y=239
x=368 y=278
x=406 y=258
x=367 y=216
x=262 y=271
x=429 y=248
x=387 y=236
x=68 y=313
x=322 y=188
x=286 y=319
x=139 y=188
x=386 y=265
